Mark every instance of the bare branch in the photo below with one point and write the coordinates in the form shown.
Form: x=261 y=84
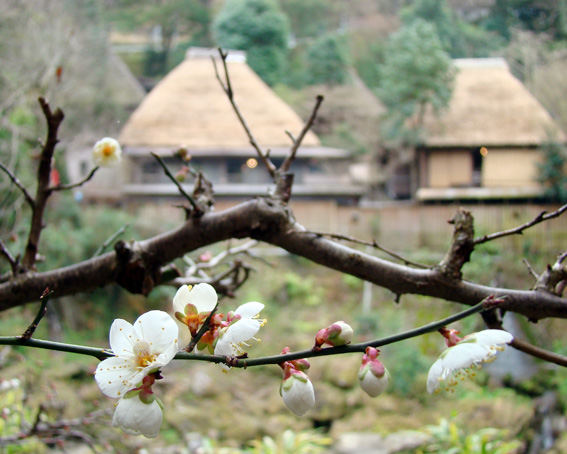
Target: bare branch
x=19 y=185
x=62 y=187
x=530 y=269
x=230 y=94
x=542 y=217
x=196 y=207
x=40 y=314
x=373 y=243
x=13 y=261
x=54 y=120
x=297 y=142
x=462 y=245
x=110 y=240
x=266 y=220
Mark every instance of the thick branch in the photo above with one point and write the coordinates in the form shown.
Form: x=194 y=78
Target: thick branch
x=265 y=220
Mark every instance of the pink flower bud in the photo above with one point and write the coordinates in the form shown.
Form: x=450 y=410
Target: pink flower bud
x=339 y=333
x=373 y=376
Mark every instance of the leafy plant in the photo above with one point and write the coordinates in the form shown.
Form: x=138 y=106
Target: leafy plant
x=290 y=442
x=448 y=438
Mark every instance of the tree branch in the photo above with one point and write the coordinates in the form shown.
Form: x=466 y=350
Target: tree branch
x=19 y=185
x=268 y=221
x=54 y=120
x=63 y=187
x=297 y=142
x=541 y=217
x=276 y=359
x=230 y=94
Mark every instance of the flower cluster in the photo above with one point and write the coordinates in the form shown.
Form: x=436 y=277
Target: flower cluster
x=140 y=350
x=230 y=337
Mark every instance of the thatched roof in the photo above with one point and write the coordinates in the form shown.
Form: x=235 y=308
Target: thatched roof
x=489 y=107
x=189 y=108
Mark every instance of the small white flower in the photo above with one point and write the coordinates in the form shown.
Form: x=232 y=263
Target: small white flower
x=107 y=152
x=140 y=349
x=243 y=327
x=297 y=392
x=192 y=305
x=460 y=359
x=136 y=417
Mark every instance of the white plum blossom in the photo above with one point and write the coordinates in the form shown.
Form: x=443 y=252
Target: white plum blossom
x=373 y=376
x=107 y=152
x=192 y=305
x=140 y=349
x=465 y=354
x=243 y=324
x=139 y=414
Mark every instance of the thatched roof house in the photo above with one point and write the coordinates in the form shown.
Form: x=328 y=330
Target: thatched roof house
x=189 y=109
x=486 y=145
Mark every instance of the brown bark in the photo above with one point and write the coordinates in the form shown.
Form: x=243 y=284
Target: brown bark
x=269 y=221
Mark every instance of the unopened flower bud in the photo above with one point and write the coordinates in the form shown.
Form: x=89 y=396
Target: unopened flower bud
x=373 y=376
x=182 y=174
x=339 y=333
x=297 y=392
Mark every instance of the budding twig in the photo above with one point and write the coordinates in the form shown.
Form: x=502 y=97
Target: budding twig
x=19 y=185
x=373 y=243
x=541 y=217
x=28 y=333
x=179 y=187
x=63 y=187
x=110 y=240
x=227 y=88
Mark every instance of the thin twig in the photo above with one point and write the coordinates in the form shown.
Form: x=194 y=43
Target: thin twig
x=227 y=88
x=206 y=325
x=529 y=349
x=28 y=333
x=62 y=187
x=373 y=243
x=19 y=185
x=101 y=353
x=110 y=239
x=13 y=261
x=530 y=269
x=541 y=217
x=179 y=187
x=297 y=142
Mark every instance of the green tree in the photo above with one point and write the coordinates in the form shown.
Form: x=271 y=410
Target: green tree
x=171 y=18
x=417 y=73
x=553 y=171
x=311 y=18
x=259 y=28
x=459 y=39
x=327 y=61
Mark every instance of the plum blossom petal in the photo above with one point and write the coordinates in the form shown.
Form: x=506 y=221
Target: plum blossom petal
x=136 y=417
x=140 y=349
x=202 y=296
x=243 y=328
x=107 y=152
x=460 y=359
